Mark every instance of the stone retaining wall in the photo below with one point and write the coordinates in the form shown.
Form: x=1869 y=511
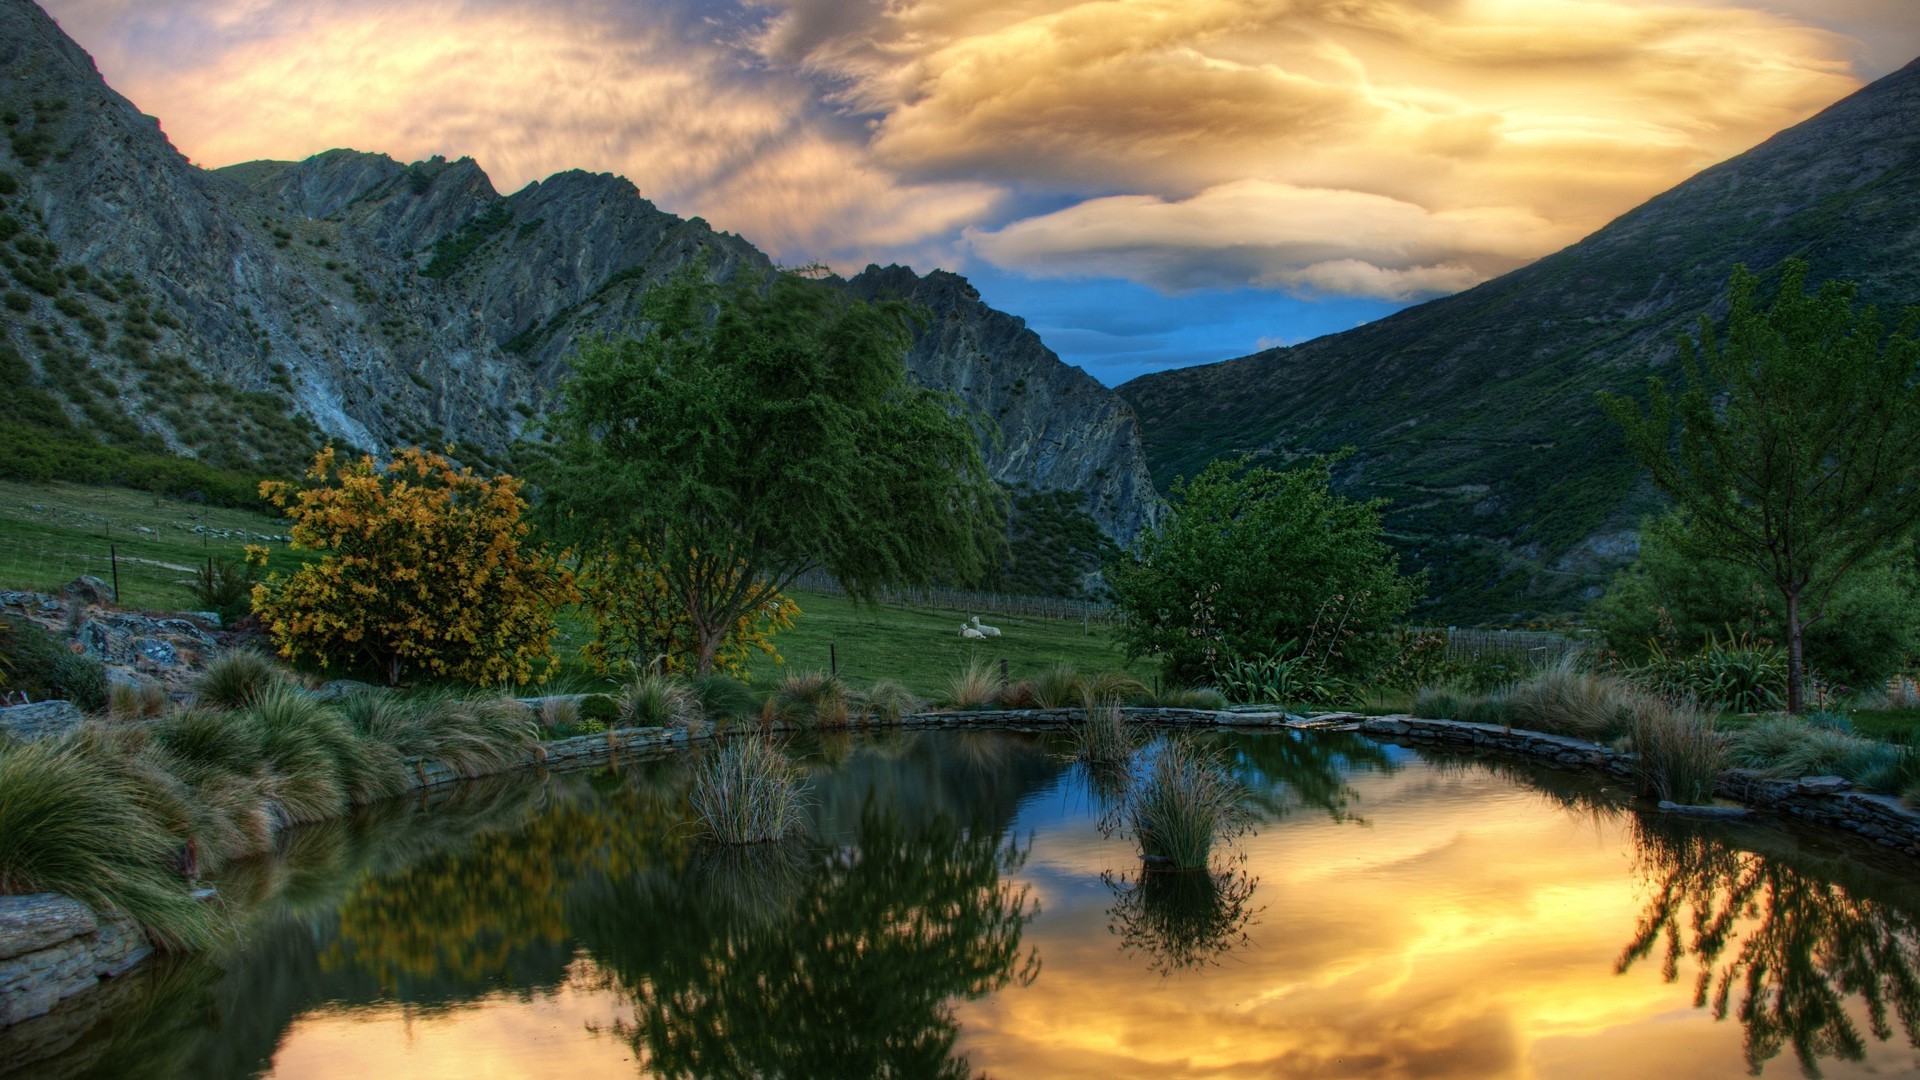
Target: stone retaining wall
x=52 y=948
x=1824 y=800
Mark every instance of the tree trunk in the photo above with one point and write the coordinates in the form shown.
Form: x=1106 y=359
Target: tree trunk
x=1796 y=664
x=709 y=647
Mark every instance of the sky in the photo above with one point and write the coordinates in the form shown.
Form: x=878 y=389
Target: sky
x=1149 y=183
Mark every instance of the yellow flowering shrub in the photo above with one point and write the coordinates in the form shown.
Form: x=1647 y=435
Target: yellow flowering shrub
x=427 y=570
x=639 y=618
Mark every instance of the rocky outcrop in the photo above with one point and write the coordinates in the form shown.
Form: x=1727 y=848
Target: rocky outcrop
x=39 y=720
x=53 y=948
x=383 y=303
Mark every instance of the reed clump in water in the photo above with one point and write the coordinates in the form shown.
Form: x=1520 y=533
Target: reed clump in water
x=747 y=793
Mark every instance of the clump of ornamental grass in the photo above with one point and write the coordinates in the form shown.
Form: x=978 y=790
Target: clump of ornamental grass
x=70 y=825
x=1679 y=753
x=314 y=753
x=973 y=689
x=236 y=678
x=558 y=712
x=128 y=701
x=1018 y=695
x=811 y=699
x=747 y=793
x=1788 y=747
x=723 y=698
x=1183 y=803
x=1059 y=687
x=1114 y=686
x=1566 y=700
x=1192 y=697
x=651 y=699
x=1103 y=738
x=471 y=735
x=886 y=702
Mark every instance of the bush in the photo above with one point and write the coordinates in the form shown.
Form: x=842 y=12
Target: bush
x=128 y=701
x=1183 y=803
x=559 y=714
x=603 y=709
x=1679 y=754
x=723 y=698
x=747 y=793
x=1289 y=677
x=223 y=586
x=80 y=679
x=427 y=569
x=237 y=678
x=811 y=699
x=1737 y=673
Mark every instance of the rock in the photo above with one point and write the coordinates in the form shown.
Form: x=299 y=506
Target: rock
x=40 y=720
x=1695 y=810
x=203 y=620
x=1824 y=785
x=39 y=921
x=88 y=589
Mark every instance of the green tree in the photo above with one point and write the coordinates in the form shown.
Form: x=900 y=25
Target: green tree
x=1873 y=622
x=1252 y=559
x=1798 y=453
x=750 y=436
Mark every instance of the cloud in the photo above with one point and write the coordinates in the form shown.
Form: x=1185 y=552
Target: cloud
x=1307 y=240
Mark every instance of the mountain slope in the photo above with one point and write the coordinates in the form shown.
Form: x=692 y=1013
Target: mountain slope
x=1475 y=413
x=245 y=315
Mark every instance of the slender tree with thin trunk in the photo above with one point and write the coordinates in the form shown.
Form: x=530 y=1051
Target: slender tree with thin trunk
x=750 y=435
x=1798 y=440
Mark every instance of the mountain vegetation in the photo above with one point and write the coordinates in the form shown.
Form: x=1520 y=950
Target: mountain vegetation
x=1476 y=414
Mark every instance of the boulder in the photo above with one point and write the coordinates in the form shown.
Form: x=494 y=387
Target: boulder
x=88 y=589
x=40 y=720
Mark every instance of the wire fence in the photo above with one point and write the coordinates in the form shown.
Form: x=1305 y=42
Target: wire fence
x=974 y=601
x=1541 y=648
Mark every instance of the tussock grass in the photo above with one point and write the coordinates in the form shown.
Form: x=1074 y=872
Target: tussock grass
x=1116 y=687
x=974 y=688
x=1192 y=697
x=723 y=698
x=1788 y=747
x=886 y=702
x=1679 y=753
x=1183 y=803
x=747 y=793
x=70 y=825
x=236 y=678
x=1560 y=700
x=651 y=699
x=1059 y=687
x=127 y=701
x=559 y=712
x=1103 y=739
x=811 y=699
x=1018 y=695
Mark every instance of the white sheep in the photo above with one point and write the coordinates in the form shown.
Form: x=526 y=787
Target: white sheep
x=985 y=630
x=970 y=633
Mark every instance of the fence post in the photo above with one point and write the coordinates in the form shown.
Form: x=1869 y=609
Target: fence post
x=113 y=556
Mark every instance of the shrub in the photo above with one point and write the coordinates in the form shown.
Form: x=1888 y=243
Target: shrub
x=747 y=793
x=70 y=826
x=887 y=701
x=1287 y=677
x=1562 y=700
x=237 y=678
x=426 y=569
x=603 y=709
x=811 y=699
x=1679 y=753
x=227 y=741
x=1113 y=686
x=473 y=736
x=977 y=687
x=223 y=586
x=1738 y=673
x=80 y=679
x=655 y=700
x=722 y=697
x=1183 y=803
x=319 y=762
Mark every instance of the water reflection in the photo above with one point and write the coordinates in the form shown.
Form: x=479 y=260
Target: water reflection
x=844 y=962
x=1291 y=770
x=1181 y=919
x=1778 y=947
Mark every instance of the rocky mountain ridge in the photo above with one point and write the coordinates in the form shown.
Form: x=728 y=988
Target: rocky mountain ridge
x=244 y=315
x=1476 y=413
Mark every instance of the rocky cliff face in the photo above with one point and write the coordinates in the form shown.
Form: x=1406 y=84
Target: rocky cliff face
x=353 y=298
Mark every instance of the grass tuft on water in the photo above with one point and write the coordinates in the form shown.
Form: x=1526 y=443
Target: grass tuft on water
x=1679 y=753
x=1183 y=803
x=747 y=793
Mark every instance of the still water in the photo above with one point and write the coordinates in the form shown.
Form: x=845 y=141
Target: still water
x=958 y=912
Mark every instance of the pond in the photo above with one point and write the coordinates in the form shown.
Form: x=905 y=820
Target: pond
x=959 y=912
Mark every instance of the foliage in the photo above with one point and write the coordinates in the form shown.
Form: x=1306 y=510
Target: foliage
x=1192 y=697
x=886 y=702
x=40 y=666
x=1799 y=441
x=136 y=701
x=236 y=677
x=1282 y=679
x=1053 y=546
x=224 y=586
x=1736 y=673
x=428 y=569
x=1562 y=700
x=723 y=698
x=975 y=687
x=1251 y=558
x=1183 y=803
x=811 y=699
x=1058 y=687
x=638 y=618
x=655 y=700
x=1678 y=753
x=1787 y=747
x=1103 y=739
x=747 y=793
x=70 y=825
x=1671 y=599
x=797 y=442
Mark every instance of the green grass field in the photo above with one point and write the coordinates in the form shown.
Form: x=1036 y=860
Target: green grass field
x=53 y=533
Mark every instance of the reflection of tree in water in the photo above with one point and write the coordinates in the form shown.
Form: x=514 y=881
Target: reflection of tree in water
x=1295 y=768
x=1792 y=946
x=1181 y=919
x=846 y=969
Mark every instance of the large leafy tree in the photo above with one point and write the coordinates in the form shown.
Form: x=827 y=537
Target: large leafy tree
x=750 y=435
x=1254 y=560
x=1798 y=448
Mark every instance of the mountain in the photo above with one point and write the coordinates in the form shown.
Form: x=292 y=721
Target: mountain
x=244 y=315
x=1475 y=414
